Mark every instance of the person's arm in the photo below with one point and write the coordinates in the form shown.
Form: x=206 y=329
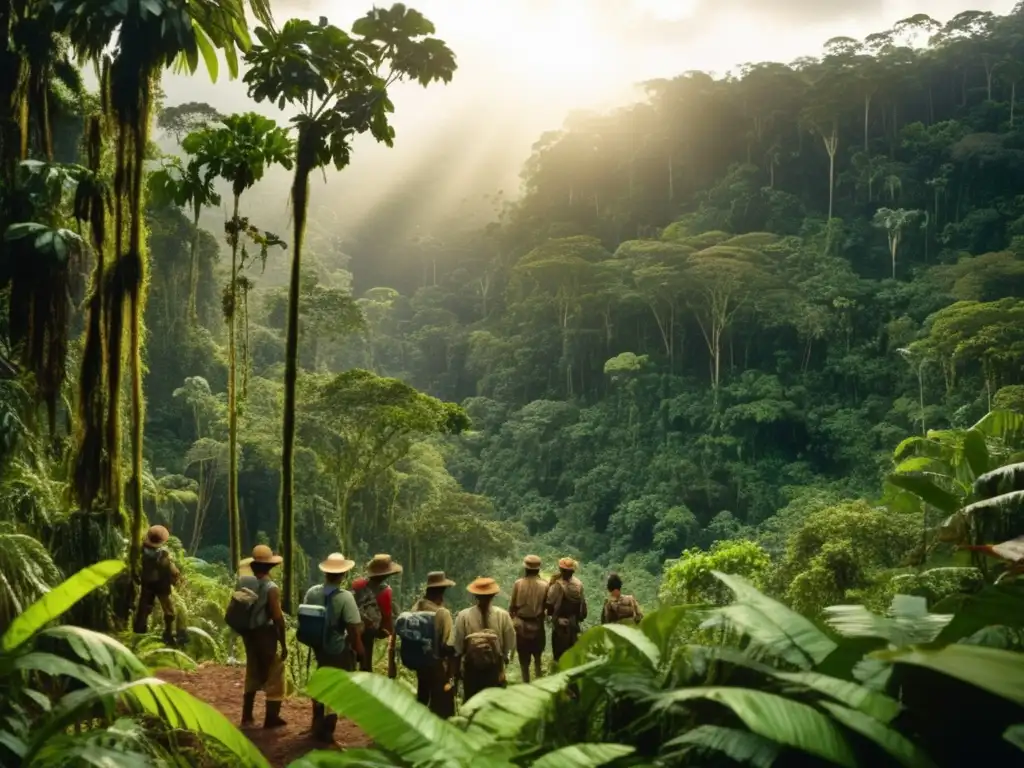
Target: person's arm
x=513 y=601
x=509 y=639
x=353 y=623
x=551 y=599
x=583 y=605
x=639 y=614
x=458 y=639
x=605 y=612
x=274 y=607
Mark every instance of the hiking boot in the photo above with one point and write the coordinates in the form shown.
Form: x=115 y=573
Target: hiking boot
x=318 y=717
x=325 y=733
x=248 y=702
x=273 y=716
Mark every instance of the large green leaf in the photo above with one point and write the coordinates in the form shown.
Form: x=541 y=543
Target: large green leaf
x=975 y=452
x=58 y=600
x=780 y=631
x=876 y=705
x=774 y=717
x=927 y=491
x=391 y=716
x=364 y=758
x=896 y=744
x=112 y=659
x=909 y=622
x=582 y=756
x=1015 y=735
x=994 y=604
x=660 y=626
x=996 y=671
x=1006 y=426
x=739 y=746
x=178 y=708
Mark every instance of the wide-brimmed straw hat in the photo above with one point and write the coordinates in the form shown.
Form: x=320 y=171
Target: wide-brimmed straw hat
x=261 y=553
x=567 y=564
x=532 y=562
x=483 y=586
x=382 y=565
x=337 y=563
x=156 y=536
x=438 y=579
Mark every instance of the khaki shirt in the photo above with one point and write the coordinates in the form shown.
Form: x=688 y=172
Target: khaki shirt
x=555 y=592
x=528 y=598
x=470 y=621
x=444 y=627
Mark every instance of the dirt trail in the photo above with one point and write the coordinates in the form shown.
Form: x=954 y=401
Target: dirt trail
x=221 y=687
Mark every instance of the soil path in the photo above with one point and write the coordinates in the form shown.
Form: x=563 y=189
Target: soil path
x=221 y=687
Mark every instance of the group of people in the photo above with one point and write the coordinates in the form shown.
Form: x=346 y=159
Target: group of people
x=473 y=648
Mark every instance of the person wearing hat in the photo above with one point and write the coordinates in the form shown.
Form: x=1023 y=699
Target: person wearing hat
x=567 y=607
x=484 y=640
x=159 y=575
x=527 y=609
x=377 y=622
x=432 y=684
x=344 y=643
x=264 y=666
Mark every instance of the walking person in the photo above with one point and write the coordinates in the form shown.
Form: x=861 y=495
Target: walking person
x=343 y=639
x=159 y=576
x=432 y=660
x=527 y=609
x=264 y=666
x=374 y=599
x=620 y=608
x=484 y=640
x=567 y=607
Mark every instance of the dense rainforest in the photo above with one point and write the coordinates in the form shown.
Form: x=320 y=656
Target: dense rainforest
x=754 y=342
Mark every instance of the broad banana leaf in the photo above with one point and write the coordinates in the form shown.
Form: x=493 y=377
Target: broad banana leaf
x=364 y=758
x=1005 y=426
x=908 y=623
x=109 y=657
x=739 y=746
x=58 y=600
x=660 y=626
x=925 y=489
x=994 y=604
x=774 y=717
x=390 y=716
x=904 y=751
x=582 y=756
x=1015 y=735
x=778 y=630
x=999 y=672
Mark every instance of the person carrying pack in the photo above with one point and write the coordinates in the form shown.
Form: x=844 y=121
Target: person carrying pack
x=426 y=646
x=567 y=607
x=158 y=577
x=619 y=607
x=373 y=598
x=255 y=613
x=484 y=640
x=526 y=607
x=329 y=625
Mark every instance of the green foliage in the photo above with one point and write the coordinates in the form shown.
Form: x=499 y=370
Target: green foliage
x=692 y=578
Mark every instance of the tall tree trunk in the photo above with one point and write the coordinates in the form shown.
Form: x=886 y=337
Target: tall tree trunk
x=193 y=268
x=1013 y=101
x=867 y=119
x=305 y=160
x=234 y=544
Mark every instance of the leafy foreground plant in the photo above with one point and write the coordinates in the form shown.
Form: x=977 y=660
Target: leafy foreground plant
x=67 y=676
x=776 y=690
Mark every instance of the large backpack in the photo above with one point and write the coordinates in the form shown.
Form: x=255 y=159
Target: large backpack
x=481 y=651
x=622 y=609
x=417 y=631
x=247 y=608
x=315 y=622
x=156 y=569
x=369 y=608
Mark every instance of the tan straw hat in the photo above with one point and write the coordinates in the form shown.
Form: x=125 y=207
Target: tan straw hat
x=438 y=579
x=382 y=565
x=337 y=563
x=156 y=536
x=567 y=564
x=261 y=553
x=483 y=586
x=532 y=562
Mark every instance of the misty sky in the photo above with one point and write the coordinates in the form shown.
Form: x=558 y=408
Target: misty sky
x=524 y=63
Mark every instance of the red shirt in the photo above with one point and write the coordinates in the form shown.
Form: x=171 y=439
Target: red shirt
x=383 y=597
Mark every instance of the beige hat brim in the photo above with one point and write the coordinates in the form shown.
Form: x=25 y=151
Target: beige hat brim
x=273 y=560
x=446 y=583
x=483 y=591
x=394 y=568
x=337 y=566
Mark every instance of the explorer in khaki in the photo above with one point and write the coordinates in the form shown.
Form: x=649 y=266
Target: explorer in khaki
x=264 y=666
x=435 y=685
x=344 y=640
x=527 y=609
x=159 y=576
x=567 y=607
x=484 y=640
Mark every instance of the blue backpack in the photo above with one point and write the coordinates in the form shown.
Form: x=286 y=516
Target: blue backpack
x=416 y=631
x=315 y=622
